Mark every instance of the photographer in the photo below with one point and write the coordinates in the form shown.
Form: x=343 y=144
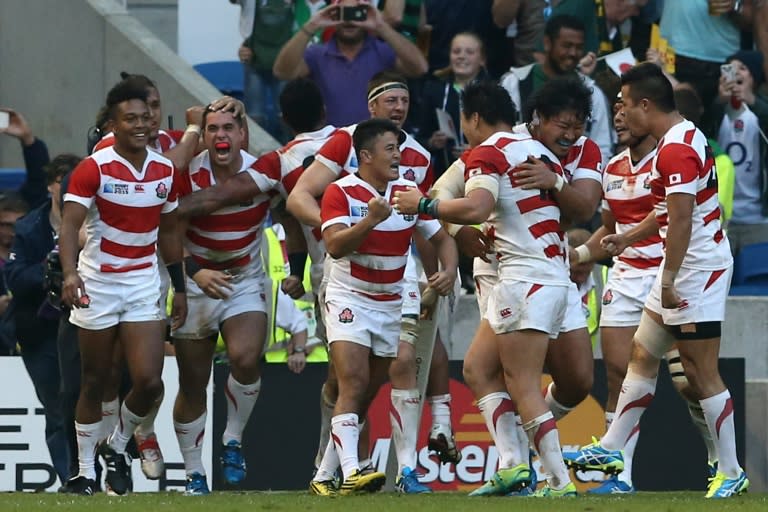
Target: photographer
x=33 y=275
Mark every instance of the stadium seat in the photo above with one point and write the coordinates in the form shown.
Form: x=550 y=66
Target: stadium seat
x=751 y=265
x=227 y=76
x=12 y=178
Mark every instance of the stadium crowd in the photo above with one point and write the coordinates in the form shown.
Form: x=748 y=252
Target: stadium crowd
x=431 y=148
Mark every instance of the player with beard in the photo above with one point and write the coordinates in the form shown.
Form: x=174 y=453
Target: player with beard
x=686 y=304
x=388 y=99
x=226 y=294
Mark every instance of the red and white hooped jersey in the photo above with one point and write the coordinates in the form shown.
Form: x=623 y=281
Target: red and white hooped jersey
x=290 y=161
x=124 y=208
x=374 y=272
x=684 y=164
x=338 y=154
x=627 y=195
x=525 y=224
x=229 y=237
x=165 y=141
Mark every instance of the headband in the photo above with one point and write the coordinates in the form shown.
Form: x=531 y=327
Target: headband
x=378 y=91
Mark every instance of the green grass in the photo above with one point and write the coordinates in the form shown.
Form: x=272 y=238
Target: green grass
x=438 y=502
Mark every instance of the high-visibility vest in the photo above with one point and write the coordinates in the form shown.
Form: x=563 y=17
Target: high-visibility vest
x=726 y=181
x=277 y=338
x=594 y=301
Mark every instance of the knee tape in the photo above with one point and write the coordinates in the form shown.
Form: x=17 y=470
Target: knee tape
x=409 y=330
x=653 y=337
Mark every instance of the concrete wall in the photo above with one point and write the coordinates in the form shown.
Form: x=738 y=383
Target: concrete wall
x=59 y=59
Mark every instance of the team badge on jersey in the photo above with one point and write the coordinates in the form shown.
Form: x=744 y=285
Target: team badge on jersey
x=346 y=316
x=607 y=297
x=161 y=191
x=647 y=183
x=738 y=126
x=410 y=175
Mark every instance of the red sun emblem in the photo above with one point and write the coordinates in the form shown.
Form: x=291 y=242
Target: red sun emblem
x=624 y=67
x=346 y=316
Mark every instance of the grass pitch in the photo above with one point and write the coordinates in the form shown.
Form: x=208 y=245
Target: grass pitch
x=438 y=502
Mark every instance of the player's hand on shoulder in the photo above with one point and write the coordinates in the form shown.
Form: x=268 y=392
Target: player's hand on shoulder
x=214 y=283
x=534 y=174
x=379 y=209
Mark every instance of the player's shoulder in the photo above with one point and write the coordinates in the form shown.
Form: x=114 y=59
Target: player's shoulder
x=618 y=162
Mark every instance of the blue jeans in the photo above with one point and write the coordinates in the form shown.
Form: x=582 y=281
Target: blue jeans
x=262 y=101
x=42 y=362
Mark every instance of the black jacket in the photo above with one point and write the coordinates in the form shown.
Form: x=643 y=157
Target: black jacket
x=25 y=275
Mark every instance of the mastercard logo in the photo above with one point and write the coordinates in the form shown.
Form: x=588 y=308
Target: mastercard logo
x=479 y=455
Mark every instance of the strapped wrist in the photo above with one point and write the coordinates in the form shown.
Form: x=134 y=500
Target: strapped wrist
x=583 y=254
x=668 y=278
x=176 y=273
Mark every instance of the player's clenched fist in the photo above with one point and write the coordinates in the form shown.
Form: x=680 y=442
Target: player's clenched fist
x=407 y=201
x=614 y=244
x=379 y=209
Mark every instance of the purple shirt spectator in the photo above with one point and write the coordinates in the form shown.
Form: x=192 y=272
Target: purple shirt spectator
x=343 y=82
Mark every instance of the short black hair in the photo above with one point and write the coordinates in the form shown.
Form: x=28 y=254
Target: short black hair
x=302 y=105
x=490 y=101
x=688 y=102
x=141 y=80
x=647 y=81
x=556 y=23
x=11 y=201
x=125 y=90
x=383 y=77
x=560 y=94
x=368 y=131
x=60 y=166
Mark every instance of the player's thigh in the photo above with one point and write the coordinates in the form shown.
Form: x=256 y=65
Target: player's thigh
x=482 y=362
x=616 y=345
x=144 y=348
x=351 y=361
x=570 y=360
x=96 y=348
x=522 y=357
x=244 y=336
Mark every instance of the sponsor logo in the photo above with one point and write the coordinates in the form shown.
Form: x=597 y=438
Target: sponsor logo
x=138 y=188
x=346 y=316
x=409 y=175
x=358 y=211
x=614 y=185
x=505 y=312
x=412 y=295
x=161 y=191
x=607 y=297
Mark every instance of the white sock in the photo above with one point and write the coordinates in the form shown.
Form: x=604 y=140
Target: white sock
x=88 y=437
x=190 y=436
x=128 y=421
x=697 y=416
x=499 y=414
x=636 y=395
x=559 y=411
x=147 y=426
x=109 y=416
x=609 y=419
x=404 y=417
x=543 y=435
x=523 y=444
x=326 y=413
x=329 y=462
x=441 y=409
x=629 y=453
x=718 y=411
x=240 y=401
x=345 y=431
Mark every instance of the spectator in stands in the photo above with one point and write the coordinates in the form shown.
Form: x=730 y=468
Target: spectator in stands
x=743 y=114
x=523 y=21
x=467 y=65
x=266 y=26
x=33 y=275
x=407 y=16
x=12 y=207
x=563 y=49
x=702 y=41
x=342 y=66
x=33 y=190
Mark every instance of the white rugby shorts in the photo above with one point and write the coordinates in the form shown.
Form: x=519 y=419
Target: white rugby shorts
x=517 y=305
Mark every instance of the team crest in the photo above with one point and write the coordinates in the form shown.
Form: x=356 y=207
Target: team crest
x=409 y=175
x=738 y=126
x=607 y=297
x=161 y=191
x=647 y=183
x=346 y=316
